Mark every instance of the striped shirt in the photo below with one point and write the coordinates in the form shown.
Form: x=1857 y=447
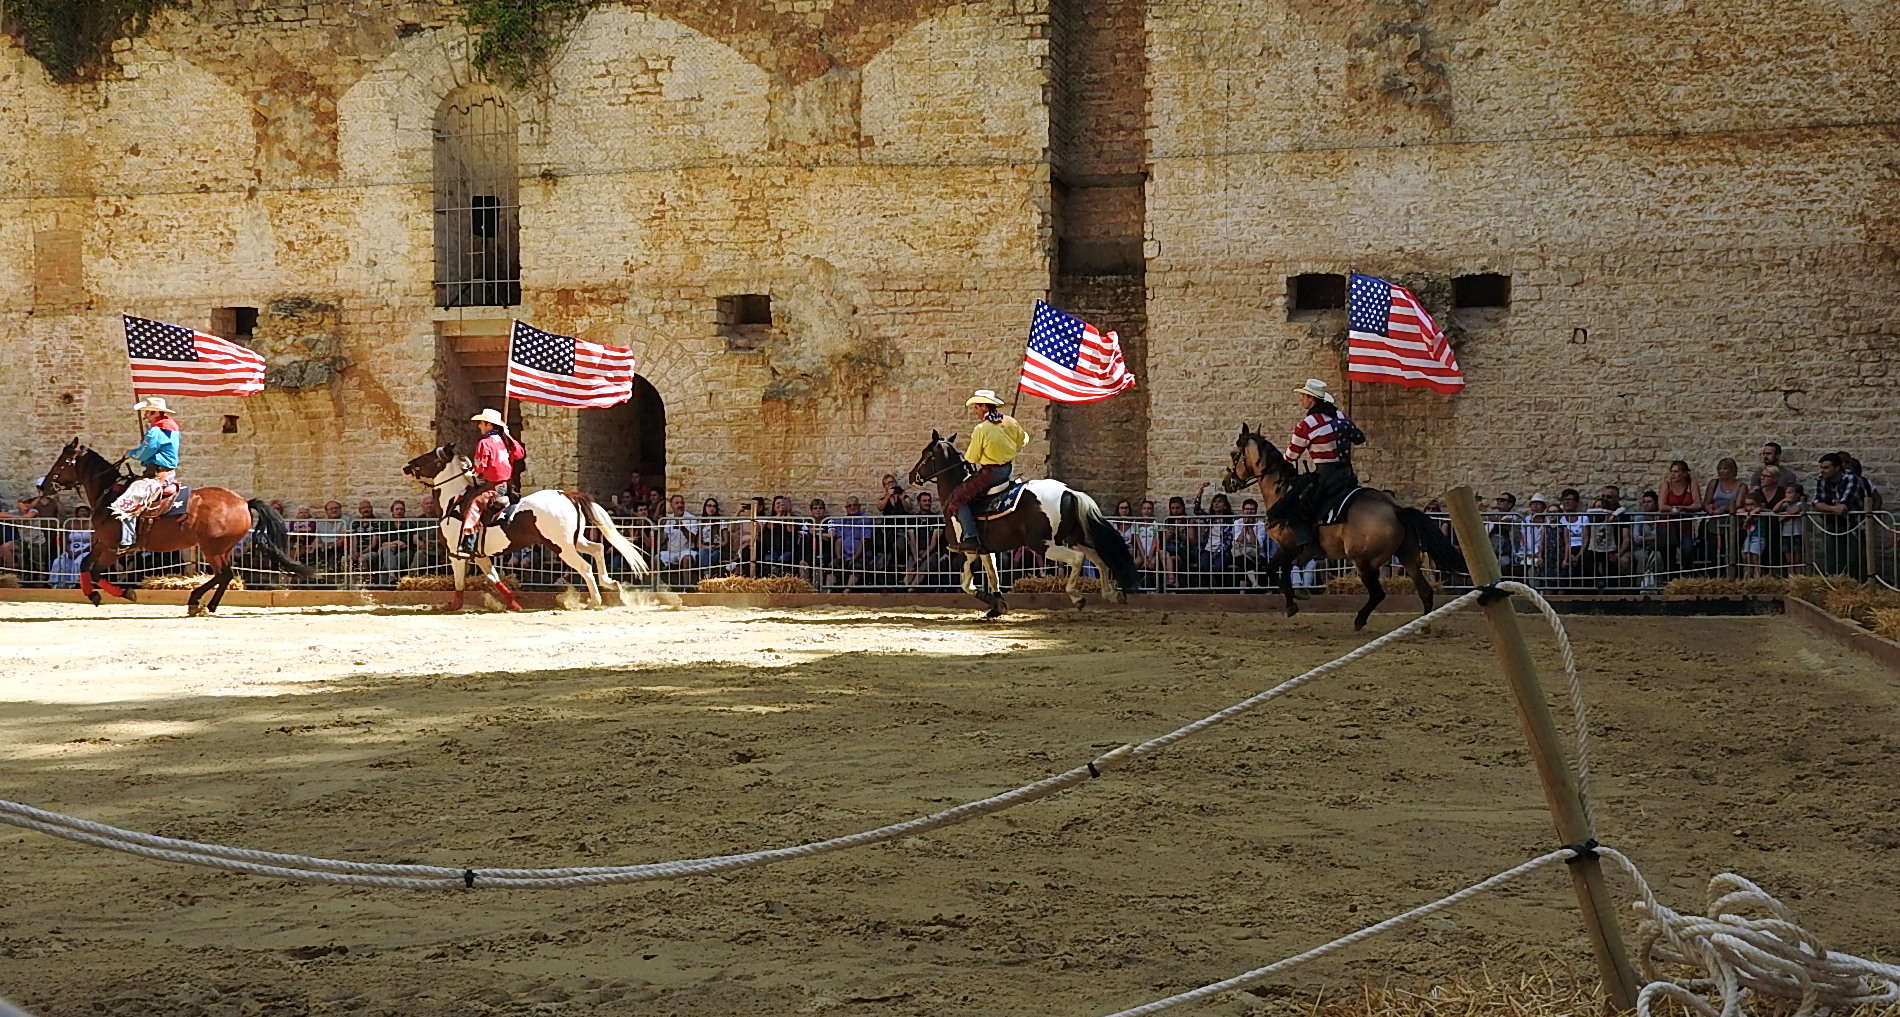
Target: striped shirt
x=1314 y=437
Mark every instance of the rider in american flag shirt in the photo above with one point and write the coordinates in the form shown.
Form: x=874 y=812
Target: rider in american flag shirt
x=1318 y=438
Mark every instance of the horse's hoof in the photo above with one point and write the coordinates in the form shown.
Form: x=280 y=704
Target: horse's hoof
x=94 y=597
x=1080 y=602
x=195 y=611
x=131 y=596
x=1292 y=609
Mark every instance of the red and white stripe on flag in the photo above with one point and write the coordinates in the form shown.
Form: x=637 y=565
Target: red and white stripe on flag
x=1070 y=361
x=1392 y=339
x=560 y=370
x=174 y=360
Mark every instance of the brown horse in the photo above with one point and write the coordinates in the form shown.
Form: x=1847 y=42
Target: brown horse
x=1050 y=518
x=1375 y=528
x=214 y=521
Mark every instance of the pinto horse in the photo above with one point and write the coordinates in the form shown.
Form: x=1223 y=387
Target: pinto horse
x=214 y=521
x=1050 y=518
x=558 y=519
x=1375 y=528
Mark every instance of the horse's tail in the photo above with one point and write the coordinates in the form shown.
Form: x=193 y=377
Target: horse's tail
x=1424 y=529
x=1104 y=538
x=274 y=537
x=592 y=512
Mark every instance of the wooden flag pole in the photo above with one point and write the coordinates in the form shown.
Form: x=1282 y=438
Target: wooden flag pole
x=1560 y=787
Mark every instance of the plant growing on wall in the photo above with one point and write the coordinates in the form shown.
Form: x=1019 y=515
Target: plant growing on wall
x=72 y=39
x=515 y=39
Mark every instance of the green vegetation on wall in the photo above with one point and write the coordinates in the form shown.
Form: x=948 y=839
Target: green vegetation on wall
x=515 y=39
x=73 y=39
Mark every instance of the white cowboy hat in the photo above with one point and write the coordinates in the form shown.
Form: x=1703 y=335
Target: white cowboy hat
x=1315 y=388
x=152 y=403
x=489 y=416
x=985 y=397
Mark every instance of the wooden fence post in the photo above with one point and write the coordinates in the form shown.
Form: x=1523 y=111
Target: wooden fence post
x=1560 y=786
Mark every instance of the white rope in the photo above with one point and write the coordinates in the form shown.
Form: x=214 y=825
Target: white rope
x=1257 y=975
x=1731 y=956
x=1579 y=716
x=308 y=869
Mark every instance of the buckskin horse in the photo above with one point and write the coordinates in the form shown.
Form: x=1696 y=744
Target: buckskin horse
x=1049 y=517
x=1374 y=528
x=214 y=521
x=558 y=519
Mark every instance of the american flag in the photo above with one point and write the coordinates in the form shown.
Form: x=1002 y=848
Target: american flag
x=175 y=360
x=561 y=370
x=1070 y=362
x=1391 y=339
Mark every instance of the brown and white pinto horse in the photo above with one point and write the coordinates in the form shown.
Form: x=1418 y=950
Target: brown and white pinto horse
x=1375 y=529
x=558 y=519
x=1051 y=518
x=215 y=520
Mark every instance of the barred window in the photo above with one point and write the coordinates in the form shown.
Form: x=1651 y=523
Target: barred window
x=477 y=218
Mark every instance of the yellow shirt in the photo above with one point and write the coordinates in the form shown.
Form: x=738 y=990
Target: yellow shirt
x=994 y=444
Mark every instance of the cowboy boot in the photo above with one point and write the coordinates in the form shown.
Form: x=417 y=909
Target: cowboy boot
x=968 y=541
x=469 y=543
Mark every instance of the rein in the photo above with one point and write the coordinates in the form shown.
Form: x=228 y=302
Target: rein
x=952 y=463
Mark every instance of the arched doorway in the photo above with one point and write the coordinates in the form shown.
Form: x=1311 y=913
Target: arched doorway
x=625 y=439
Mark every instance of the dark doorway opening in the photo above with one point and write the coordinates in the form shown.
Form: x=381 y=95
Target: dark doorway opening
x=614 y=443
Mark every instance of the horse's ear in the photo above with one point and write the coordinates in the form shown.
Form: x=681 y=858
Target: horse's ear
x=934 y=436
x=953 y=439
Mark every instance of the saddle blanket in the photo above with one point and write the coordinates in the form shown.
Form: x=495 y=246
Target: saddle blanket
x=1001 y=504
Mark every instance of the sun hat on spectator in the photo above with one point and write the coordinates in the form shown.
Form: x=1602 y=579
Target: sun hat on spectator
x=1539 y=497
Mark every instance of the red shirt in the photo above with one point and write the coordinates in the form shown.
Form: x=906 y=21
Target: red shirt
x=1314 y=436
x=495 y=455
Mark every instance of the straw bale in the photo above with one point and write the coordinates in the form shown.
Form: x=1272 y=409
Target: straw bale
x=438 y=583
x=747 y=584
x=184 y=581
x=1054 y=584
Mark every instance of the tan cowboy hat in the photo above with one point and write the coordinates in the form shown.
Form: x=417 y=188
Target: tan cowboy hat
x=155 y=403
x=1315 y=388
x=984 y=396
x=489 y=416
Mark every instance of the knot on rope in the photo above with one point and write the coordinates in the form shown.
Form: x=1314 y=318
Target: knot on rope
x=468 y=878
x=1579 y=852
x=1491 y=593
x=1109 y=760
x=1749 y=943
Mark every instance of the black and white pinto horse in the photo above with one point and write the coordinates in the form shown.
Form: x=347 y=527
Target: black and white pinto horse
x=1049 y=517
x=558 y=519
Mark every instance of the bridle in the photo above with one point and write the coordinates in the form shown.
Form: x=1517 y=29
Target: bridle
x=951 y=462
x=468 y=473
x=78 y=453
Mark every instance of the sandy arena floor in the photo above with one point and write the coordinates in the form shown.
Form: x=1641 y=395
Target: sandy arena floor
x=639 y=735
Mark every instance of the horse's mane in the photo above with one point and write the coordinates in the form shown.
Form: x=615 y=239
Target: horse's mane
x=1269 y=454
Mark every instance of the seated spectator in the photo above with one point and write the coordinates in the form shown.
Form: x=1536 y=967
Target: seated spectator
x=929 y=561
x=637 y=492
x=745 y=538
x=778 y=538
x=329 y=547
x=1571 y=525
x=712 y=545
x=390 y=543
x=1177 y=540
x=63 y=573
x=1211 y=535
x=1502 y=524
x=857 y=553
x=1646 y=558
x=1249 y=544
x=679 y=539
x=277 y=506
x=1606 y=540
x=302 y=530
x=891 y=501
x=820 y=552
x=366 y=532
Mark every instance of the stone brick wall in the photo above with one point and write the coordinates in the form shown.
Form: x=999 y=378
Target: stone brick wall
x=880 y=170
x=1698 y=220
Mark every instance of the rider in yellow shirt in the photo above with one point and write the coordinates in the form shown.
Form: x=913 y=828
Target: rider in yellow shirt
x=994 y=445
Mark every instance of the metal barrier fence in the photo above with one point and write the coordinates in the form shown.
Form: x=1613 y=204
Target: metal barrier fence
x=1556 y=552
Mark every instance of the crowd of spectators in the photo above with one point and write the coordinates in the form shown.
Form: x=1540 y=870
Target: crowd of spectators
x=1770 y=520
